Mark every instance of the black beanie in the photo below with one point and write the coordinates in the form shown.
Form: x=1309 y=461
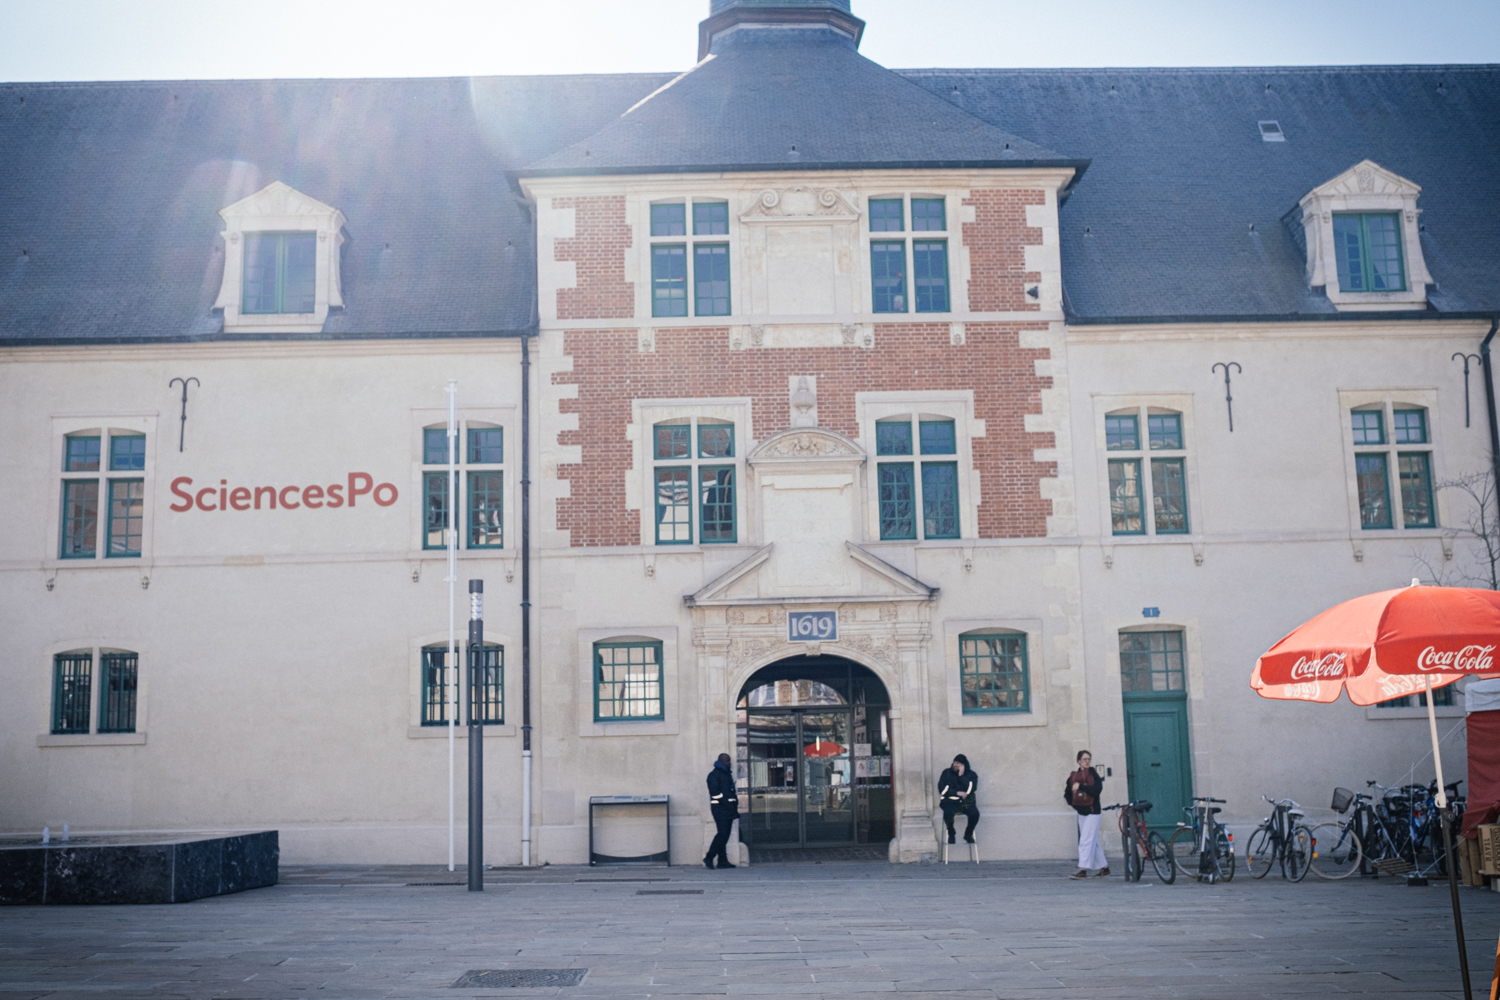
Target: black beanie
x=961 y=759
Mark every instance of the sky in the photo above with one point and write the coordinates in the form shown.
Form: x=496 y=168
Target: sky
x=214 y=39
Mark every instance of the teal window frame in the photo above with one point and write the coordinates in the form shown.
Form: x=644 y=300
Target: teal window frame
x=1152 y=662
x=1374 y=493
x=1361 y=426
x=718 y=443
x=81 y=453
x=940 y=500
x=289 y=252
x=1164 y=431
x=1414 y=471
x=629 y=697
x=1125 y=504
x=1003 y=687
x=487 y=692
x=1409 y=426
x=711 y=290
x=127 y=518
x=671 y=441
x=435 y=695
x=716 y=505
x=435 y=446
x=1122 y=432
x=1169 y=495
x=436 y=508
x=710 y=218
x=888 y=290
x=896 y=482
x=938 y=437
x=486 y=503
x=887 y=215
x=486 y=446
x=127 y=452
x=80 y=519
x=1368 y=252
x=669 y=279
x=673 y=498
x=669 y=219
x=893 y=437
x=927 y=211
x=118 y=680
x=929 y=270
x=72 y=692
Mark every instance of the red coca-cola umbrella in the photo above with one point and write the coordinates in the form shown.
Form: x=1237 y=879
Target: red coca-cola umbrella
x=1384 y=646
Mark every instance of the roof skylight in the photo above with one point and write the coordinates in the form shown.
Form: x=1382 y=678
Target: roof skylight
x=1271 y=132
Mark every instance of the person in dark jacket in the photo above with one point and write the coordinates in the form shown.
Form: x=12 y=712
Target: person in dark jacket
x=1082 y=792
x=724 y=803
x=958 y=788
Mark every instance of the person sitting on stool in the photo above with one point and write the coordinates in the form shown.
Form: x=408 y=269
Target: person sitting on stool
x=958 y=786
x=725 y=805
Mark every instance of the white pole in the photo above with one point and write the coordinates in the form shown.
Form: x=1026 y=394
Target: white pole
x=450 y=662
x=1437 y=760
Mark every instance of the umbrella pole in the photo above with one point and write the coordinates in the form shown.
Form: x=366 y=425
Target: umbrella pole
x=1442 y=803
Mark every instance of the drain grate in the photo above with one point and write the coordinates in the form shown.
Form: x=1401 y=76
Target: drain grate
x=669 y=892
x=490 y=979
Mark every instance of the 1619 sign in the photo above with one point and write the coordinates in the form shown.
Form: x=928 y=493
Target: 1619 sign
x=812 y=626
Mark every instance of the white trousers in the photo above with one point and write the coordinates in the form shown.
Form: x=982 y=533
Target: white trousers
x=1090 y=852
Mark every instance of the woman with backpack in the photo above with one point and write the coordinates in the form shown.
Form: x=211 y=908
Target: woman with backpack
x=1082 y=792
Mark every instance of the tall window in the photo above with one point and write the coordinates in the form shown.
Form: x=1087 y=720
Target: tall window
x=702 y=242
x=929 y=257
x=993 y=668
x=1367 y=248
x=122 y=487
x=1407 y=451
x=280 y=273
x=627 y=681
x=73 y=686
x=902 y=506
x=481 y=459
x=1152 y=661
x=487 y=693
x=1138 y=504
x=694 y=473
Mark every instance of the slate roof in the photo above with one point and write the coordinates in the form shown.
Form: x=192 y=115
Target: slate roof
x=1185 y=210
x=792 y=99
x=110 y=192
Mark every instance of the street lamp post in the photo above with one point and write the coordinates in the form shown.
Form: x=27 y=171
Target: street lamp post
x=476 y=738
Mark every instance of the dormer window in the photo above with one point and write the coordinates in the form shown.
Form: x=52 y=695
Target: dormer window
x=281 y=262
x=1362 y=243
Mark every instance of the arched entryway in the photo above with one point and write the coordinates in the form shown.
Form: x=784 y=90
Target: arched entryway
x=813 y=734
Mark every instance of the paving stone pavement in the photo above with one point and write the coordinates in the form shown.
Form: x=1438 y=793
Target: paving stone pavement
x=968 y=932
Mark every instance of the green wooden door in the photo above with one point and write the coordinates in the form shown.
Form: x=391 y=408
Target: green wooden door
x=1157 y=765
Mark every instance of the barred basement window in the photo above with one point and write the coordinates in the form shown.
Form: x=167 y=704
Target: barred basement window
x=72 y=680
x=280 y=273
x=117 y=677
x=627 y=681
x=994 y=672
x=487 y=694
x=1152 y=661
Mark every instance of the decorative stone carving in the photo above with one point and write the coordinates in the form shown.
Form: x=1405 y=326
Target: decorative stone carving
x=757 y=336
x=1366 y=179
x=800 y=202
x=736 y=616
x=956 y=334
x=646 y=340
x=804 y=400
x=887 y=612
x=807 y=445
x=847 y=331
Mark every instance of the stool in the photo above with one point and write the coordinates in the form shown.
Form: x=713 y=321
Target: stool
x=973 y=851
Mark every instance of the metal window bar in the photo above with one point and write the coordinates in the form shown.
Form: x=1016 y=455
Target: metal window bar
x=487 y=687
x=627 y=681
x=72 y=679
x=994 y=674
x=117 y=683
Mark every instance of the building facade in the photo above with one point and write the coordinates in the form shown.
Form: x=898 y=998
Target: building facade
x=855 y=418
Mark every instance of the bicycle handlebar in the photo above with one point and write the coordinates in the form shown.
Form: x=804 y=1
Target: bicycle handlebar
x=1204 y=798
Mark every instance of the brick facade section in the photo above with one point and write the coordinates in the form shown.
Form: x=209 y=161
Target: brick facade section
x=600 y=239
x=610 y=372
x=996 y=241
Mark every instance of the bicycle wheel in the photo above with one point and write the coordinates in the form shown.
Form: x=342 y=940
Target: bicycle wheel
x=1336 y=851
x=1161 y=859
x=1262 y=852
x=1182 y=848
x=1224 y=853
x=1298 y=854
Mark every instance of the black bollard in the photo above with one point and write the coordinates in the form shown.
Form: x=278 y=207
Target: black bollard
x=476 y=738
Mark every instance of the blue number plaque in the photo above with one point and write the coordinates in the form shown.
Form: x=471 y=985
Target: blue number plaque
x=812 y=626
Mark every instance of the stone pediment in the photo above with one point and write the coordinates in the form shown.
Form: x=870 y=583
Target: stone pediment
x=806 y=444
x=800 y=204
x=760 y=579
x=282 y=201
x=1366 y=178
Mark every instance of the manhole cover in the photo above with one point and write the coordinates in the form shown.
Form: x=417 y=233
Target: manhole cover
x=490 y=979
x=669 y=892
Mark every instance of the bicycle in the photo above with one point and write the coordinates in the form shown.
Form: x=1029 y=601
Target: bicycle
x=1280 y=838
x=1336 y=848
x=1133 y=833
x=1206 y=838
x=1382 y=851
